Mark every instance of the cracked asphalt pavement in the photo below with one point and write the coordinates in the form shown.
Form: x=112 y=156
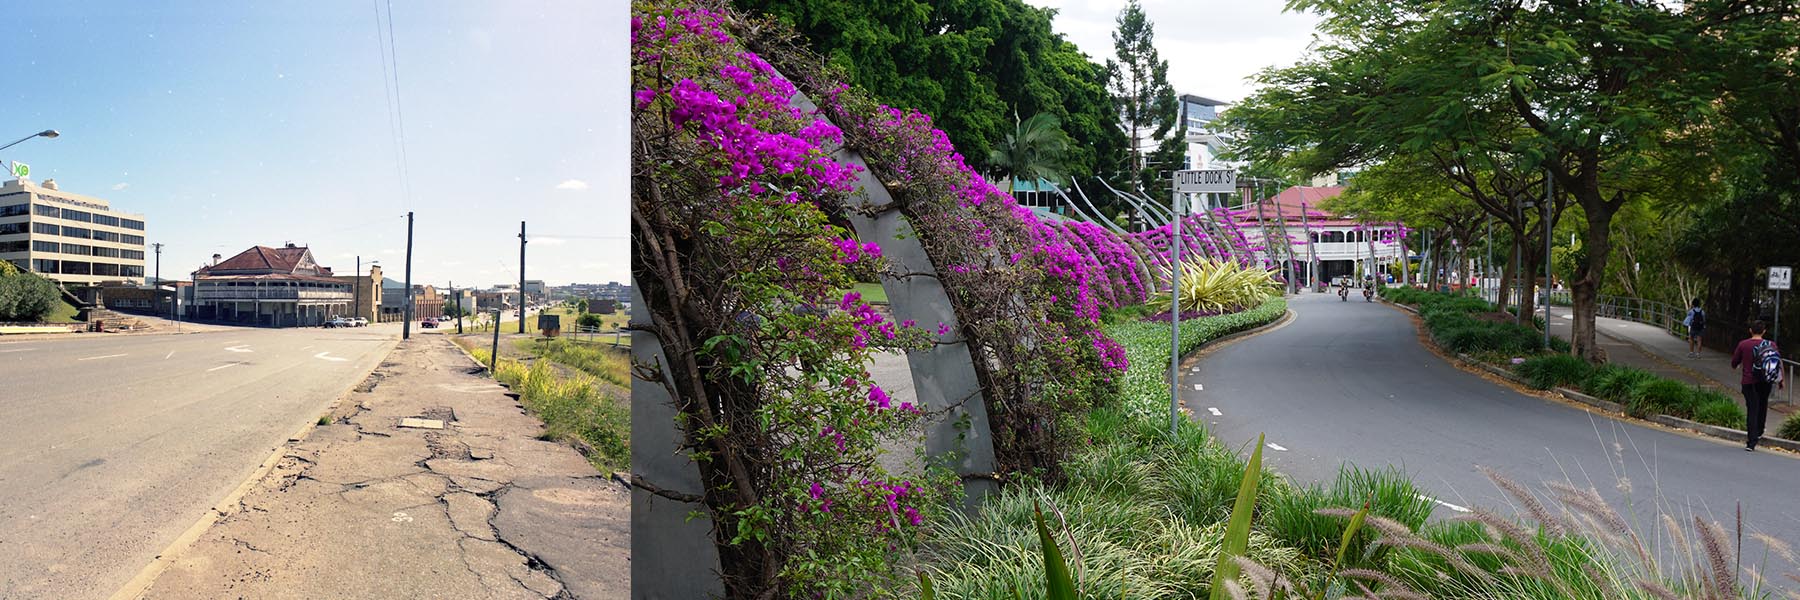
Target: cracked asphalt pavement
x=362 y=508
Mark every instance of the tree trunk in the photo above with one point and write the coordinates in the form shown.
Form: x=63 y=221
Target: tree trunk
x=1527 y=279
x=1586 y=287
x=1405 y=258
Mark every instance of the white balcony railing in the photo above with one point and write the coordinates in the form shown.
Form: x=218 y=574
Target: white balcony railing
x=228 y=295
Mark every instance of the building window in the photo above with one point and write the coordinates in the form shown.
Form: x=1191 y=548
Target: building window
x=106 y=220
x=75 y=267
x=135 y=240
x=131 y=270
x=46 y=229
x=45 y=210
x=15 y=246
x=44 y=265
x=43 y=246
x=77 y=232
x=6 y=228
x=77 y=249
x=131 y=254
x=14 y=210
x=76 y=215
x=106 y=236
x=107 y=269
x=131 y=224
x=106 y=252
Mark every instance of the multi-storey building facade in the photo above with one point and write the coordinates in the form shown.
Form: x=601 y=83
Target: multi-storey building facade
x=272 y=287
x=69 y=238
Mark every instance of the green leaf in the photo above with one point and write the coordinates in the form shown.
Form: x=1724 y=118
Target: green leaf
x=1237 y=530
x=925 y=590
x=1057 y=584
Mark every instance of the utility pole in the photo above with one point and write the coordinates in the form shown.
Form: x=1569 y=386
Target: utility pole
x=494 y=353
x=521 y=280
x=158 y=287
x=1549 y=196
x=459 y=308
x=406 y=327
x=356 y=290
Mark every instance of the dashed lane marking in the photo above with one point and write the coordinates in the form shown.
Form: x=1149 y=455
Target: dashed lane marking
x=238 y=349
x=324 y=356
x=1276 y=447
x=100 y=357
x=14 y=350
x=171 y=353
x=224 y=366
x=1198 y=387
x=1444 y=504
x=1215 y=411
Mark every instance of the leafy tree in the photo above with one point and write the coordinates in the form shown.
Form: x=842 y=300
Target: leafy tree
x=1035 y=150
x=25 y=297
x=1146 y=103
x=967 y=64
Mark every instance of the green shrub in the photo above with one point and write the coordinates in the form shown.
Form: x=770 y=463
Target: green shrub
x=1789 y=429
x=1290 y=515
x=1656 y=395
x=1713 y=408
x=1614 y=382
x=1548 y=371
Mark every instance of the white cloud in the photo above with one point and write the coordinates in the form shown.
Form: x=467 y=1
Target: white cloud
x=119 y=186
x=572 y=184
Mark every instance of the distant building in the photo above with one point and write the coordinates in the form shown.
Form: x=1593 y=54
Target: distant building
x=271 y=287
x=534 y=288
x=69 y=238
x=365 y=293
x=427 y=302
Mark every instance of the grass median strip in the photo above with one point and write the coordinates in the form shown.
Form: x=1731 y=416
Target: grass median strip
x=574 y=406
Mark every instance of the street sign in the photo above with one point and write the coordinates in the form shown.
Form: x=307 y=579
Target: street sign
x=20 y=170
x=1781 y=278
x=1206 y=181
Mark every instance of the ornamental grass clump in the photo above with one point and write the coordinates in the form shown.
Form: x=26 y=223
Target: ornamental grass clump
x=1552 y=370
x=1656 y=395
x=1614 y=382
x=1714 y=408
x=1790 y=428
x=1218 y=286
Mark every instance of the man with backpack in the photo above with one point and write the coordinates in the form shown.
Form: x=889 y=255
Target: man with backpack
x=1761 y=361
x=1696 y=324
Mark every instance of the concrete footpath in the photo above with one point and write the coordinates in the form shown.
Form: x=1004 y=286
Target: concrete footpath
x=1650 y=348
x=366 y=507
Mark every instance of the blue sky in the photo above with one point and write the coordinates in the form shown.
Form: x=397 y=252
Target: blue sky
x=231 y=124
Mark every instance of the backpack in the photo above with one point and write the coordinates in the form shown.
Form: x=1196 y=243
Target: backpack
x=1696 y=320
x=1767 y=365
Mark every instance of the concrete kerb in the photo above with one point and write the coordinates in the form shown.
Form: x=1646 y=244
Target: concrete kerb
x=1617 y=411
x=145 y=578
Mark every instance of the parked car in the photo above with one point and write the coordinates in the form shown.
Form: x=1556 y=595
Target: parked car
x=339 y=322
x=360 y=322
x=428 y=324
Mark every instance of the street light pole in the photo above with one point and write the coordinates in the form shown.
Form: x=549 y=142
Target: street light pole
x=47 y=133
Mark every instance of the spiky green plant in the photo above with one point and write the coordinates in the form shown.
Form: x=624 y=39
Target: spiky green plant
x=1219 y=286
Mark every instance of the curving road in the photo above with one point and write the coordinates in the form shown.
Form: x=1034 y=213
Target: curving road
x=1350 y=382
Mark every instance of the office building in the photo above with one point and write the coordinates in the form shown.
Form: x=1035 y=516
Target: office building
x=69 y=238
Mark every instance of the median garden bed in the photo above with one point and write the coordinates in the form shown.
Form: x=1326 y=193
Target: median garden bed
x=1466 y=325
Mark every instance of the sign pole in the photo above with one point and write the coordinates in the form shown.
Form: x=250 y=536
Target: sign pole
x=1175 y=317
x=1780 y=279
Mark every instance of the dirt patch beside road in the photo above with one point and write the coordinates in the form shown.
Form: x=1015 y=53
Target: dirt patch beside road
x=366 y=508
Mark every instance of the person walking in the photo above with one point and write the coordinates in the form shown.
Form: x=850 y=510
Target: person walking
x=1761 y=361
x=1696 y=324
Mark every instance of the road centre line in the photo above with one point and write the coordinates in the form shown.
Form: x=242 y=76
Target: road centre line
x=14 y=350
x=171 y=353
x=1215 y=412
x=1198 y=387
x=1277 y=447
x=224 y=366
x=100 y=357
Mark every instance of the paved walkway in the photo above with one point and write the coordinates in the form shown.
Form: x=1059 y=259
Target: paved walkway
x=1650 y=348
x=364 y=508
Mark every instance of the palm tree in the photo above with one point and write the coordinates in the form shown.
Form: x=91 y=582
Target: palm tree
x=1033 y=151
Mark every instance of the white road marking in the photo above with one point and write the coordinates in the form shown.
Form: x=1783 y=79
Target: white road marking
x=238 y=349
x=100 y=357
x=14 y=350
x=1215 y=411
x=1276 y=447
x=305 y=347
x=322 y=355
x=171 y=353
x=224 y=366
x=1198 y=387
x=1444 y=504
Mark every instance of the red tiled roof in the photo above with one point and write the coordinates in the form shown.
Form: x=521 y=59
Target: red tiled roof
x=263 y=258
x=274 y=277
x=1291 y=199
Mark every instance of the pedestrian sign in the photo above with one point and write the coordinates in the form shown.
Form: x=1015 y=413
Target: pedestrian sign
x=20 y=170
x=1781 y=278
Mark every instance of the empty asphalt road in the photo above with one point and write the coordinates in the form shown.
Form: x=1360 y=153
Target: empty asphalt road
x=113 y=445
x=1350 y=382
